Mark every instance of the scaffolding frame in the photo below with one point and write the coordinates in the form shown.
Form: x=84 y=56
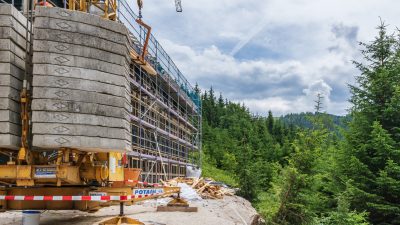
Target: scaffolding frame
x=165 y=130
x=166 y=110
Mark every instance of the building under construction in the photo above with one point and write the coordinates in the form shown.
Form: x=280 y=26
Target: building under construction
x=83 y=78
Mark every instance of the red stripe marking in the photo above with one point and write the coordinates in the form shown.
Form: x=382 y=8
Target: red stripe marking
x=86 y=198
x=105 y=198
x=28 y=198
x=9 y=197
x=67 y=198
x=78 y=198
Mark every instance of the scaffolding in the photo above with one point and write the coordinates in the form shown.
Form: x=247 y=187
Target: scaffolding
x=166 y=115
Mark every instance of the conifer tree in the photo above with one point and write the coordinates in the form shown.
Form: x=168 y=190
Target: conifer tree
x=270 y=122
x=371 y=154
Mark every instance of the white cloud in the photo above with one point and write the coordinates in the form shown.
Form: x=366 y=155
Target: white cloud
x=248 y=37
x=318 y=87
x=283 y=87
x=270 y=54
x=301 y=103
x=278 y=104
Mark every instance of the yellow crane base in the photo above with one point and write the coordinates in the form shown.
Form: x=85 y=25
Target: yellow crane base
x=177 y=205
x=178 y=202
x=121 y=220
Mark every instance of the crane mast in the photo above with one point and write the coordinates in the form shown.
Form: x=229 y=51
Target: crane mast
x=178 y=5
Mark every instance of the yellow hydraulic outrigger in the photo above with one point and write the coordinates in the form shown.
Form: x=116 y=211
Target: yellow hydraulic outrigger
x=23 y=153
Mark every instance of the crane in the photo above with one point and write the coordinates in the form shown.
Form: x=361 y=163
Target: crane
x=178 y=6
x=142 y=57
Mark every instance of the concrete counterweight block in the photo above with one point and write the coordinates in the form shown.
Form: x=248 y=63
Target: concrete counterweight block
x=13 y=40
x=81 y=94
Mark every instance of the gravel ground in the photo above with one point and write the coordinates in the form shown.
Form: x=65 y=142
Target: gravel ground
x=231 y=210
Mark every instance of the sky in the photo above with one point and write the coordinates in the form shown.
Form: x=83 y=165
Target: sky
x=271 y=54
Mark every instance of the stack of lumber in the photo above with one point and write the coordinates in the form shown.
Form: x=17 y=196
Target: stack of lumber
x=207 y=188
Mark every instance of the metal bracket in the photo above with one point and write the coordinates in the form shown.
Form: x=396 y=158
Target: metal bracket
x=177 y=204
x=121 y=218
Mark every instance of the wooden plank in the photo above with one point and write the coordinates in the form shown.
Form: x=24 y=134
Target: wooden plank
x=202 y=188
x=176 y=209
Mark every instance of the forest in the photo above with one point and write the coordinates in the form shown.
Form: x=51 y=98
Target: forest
x=321 y=169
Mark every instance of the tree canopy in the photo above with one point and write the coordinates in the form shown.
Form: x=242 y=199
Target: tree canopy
x=315 y=168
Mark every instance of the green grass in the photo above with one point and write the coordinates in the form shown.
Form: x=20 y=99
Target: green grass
x=218 y=174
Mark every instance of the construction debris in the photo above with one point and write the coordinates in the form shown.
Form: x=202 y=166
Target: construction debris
x=188 y=193
x=207 y=188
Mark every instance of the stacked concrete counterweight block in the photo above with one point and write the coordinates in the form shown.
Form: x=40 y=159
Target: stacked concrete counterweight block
x=13 y=43
x=80 y=89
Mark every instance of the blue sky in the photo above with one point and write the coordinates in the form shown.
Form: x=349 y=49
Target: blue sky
x=270 y=54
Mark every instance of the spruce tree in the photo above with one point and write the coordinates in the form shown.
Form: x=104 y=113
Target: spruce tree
x=270 y=122
x=371 y=154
